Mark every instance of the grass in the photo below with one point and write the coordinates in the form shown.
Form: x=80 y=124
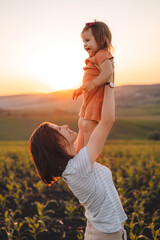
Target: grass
x=134 y=128
x=139 y=110
x=18 y=128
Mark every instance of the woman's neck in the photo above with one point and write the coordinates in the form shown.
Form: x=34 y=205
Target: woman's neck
x=71 y=149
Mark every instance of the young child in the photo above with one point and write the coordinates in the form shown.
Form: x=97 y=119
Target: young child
x=99 y=70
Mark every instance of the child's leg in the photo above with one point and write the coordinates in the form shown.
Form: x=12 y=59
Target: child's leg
x=88 y=127
x=80 y=137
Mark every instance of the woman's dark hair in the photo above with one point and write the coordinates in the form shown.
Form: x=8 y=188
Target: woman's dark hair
x=101 y=33
x=48 y=153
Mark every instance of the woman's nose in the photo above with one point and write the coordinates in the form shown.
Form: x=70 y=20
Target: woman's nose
x=65 y=126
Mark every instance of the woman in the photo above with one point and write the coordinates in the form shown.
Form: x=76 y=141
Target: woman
x=53 y=152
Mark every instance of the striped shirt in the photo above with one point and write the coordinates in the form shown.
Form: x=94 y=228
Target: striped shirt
x=94 y=188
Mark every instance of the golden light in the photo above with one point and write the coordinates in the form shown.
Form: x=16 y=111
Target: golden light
x=59 y=68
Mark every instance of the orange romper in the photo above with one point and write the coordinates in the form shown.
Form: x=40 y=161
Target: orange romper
x=92 y=101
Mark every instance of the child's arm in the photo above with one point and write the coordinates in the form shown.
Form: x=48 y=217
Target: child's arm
x=106 y=72
x=77 y=93
x=101 y=132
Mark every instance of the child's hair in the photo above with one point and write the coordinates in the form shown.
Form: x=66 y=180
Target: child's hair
x=101 y=33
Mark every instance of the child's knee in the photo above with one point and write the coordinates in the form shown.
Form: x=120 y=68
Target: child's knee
x=88 y=126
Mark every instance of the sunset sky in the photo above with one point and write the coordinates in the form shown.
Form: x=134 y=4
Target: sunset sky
x=41 y=49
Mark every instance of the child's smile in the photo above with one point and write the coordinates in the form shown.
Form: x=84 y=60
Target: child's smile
x=90 y=44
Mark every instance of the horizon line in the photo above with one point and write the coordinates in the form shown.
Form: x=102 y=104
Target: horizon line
x=65 y=90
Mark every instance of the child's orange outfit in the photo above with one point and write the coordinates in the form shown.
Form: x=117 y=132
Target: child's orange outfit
x=92 y=101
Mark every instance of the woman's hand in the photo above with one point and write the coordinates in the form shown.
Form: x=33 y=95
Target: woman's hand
x=89 y=86
x=106 y=73
x=76 y=93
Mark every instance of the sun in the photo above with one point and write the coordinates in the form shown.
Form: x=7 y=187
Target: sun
x=61 y=78
x=56 y=70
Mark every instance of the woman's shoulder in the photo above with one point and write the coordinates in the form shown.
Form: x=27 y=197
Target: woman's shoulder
x=80 y=164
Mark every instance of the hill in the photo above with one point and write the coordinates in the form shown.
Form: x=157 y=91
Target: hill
x=61 y=100
x=127 y=97
x=137 y=112
x=137 y=94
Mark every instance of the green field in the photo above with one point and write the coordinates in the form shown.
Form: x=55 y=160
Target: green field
x=19 y=127
x=140 y=110
x=31 y=210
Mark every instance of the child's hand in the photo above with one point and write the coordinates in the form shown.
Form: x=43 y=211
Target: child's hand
x=89 y=86
x=76 y=93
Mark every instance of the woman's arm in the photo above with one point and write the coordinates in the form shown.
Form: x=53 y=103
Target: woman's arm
x=101 y=132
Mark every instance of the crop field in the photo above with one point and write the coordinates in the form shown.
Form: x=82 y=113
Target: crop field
x=30 y=210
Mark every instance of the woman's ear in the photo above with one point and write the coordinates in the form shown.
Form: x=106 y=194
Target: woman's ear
x=64 y=143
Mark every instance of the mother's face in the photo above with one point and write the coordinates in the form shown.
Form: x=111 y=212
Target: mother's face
x=66 y=132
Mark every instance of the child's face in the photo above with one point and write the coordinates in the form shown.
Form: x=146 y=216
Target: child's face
x=90 y=44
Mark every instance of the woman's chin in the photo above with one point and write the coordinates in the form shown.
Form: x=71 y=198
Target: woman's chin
x=75 y=136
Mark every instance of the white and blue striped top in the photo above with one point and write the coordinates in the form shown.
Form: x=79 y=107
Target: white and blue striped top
x=95 y=189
